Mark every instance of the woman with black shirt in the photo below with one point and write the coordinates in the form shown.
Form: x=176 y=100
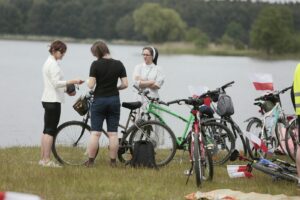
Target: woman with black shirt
x=104 y=74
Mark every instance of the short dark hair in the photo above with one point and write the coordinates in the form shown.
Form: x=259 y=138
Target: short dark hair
x=58 y=46
x=150 y=49
x=99 y=49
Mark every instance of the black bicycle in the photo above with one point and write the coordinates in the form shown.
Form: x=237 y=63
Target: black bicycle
x=70 y=143
x=225 y=110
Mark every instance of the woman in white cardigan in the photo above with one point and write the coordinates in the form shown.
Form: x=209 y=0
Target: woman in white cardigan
x=53 y=95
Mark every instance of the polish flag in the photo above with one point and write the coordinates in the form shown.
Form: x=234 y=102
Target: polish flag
x=237 y=171
x=262 y=81
x=256 y=141
x=17 y=196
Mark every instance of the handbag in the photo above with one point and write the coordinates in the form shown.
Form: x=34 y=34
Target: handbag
x=81 y=105
x=70 y=89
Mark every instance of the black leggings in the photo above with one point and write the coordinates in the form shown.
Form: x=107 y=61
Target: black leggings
x=51 y=117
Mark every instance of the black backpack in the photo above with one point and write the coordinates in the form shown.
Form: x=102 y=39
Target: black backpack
x=143 y=155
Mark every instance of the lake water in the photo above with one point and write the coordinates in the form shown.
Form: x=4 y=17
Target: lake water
x=21 y=112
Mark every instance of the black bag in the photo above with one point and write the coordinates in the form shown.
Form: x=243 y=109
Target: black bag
x=225 y=106
x=70 y=88
x=81 y=105
x=143 y=155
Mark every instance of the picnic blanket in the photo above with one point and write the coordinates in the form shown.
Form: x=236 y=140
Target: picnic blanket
x=227 y=194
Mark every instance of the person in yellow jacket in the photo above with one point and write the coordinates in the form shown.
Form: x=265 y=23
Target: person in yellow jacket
x=296 y=103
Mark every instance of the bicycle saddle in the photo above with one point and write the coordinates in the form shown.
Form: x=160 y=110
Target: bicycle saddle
x=132 y=105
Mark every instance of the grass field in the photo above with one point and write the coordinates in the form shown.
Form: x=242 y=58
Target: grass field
x=20 y=172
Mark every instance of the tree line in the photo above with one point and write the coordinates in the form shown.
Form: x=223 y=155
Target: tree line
x=273 y=28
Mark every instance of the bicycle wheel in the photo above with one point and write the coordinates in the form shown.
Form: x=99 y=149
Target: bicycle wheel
x=291 y=138
x=125 y=150
x=255 y=127
x=276 y=173
x=161 y=136
x=70 y=143
x=280 y=132
x=203 y=163
x=222 y=139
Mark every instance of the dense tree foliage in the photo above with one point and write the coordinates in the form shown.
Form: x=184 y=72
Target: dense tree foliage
x=158 y=24
x=198 y=21
x=273 y=30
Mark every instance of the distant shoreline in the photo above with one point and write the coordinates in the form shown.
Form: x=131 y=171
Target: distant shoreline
x=165 y=48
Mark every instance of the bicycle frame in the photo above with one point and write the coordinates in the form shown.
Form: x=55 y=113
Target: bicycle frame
x=153 y=108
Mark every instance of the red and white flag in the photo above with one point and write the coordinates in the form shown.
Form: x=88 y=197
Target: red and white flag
x=262 y=81
x=17 y=196
x=256 y=141
x=237 y=171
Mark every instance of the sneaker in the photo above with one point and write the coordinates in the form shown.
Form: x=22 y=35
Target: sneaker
x=50 y=163
x=41 y=162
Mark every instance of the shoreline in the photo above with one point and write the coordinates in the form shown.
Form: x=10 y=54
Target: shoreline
x=176 y=48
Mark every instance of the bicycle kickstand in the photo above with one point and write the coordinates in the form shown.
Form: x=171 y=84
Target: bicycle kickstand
x=190 y=173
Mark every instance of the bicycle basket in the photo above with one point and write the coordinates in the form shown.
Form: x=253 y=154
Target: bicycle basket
x=81 y=105
x=225 y=106
x=268 y=105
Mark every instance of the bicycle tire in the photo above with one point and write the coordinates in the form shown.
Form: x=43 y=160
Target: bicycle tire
x=125 y=150
x=204 y=170
x=291 y=140
x=279 y=133
x=196 y=151
x=64 y=148
x=256 y=123
x=275 y=173
x=161 y=136
x=222 y=139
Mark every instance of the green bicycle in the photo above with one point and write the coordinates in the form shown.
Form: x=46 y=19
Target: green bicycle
x=218 y=137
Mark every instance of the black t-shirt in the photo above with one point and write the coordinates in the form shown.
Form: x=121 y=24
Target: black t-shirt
x=107 y=72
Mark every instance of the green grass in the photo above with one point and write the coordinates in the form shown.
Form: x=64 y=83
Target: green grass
x=20 y=172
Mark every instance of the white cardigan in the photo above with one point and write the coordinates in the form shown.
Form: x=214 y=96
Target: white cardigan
x=54 y=85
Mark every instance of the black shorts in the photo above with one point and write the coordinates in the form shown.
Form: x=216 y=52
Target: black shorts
x=51 y=117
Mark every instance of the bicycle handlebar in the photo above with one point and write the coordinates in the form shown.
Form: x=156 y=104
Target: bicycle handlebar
x=227 y=85
x=272 y=94
x=146 y=92
x=219 y=90
x=189 y=101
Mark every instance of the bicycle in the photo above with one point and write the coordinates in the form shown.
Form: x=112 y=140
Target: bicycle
x=202 y=163
x=273 y=124
x=225 y=118
x=276 y=168
x=217 y=134
x=70 y=143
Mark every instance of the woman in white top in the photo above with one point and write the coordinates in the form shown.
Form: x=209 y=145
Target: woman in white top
x=53 y=96
x=149 y=75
